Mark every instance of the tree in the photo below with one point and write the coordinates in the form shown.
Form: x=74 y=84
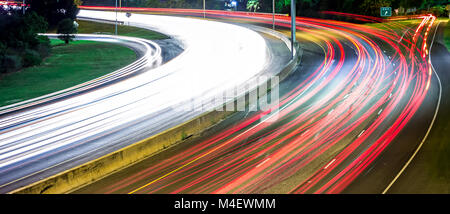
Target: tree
x=253 y=5
x=78 y=2
x=372 y=7
x=35 y=23
x=54 y=10
x=19 y=43
x=282 y=6
x=66 y=29
x=154 y=3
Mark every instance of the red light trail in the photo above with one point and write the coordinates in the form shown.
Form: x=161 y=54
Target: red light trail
x=331 y=127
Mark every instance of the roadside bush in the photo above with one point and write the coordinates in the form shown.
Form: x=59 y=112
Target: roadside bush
x=2 y=49
x=11 y=63
x=35 y=23
x=31 y=58
x=20 y=45
x=43 y=47
x=66 y=29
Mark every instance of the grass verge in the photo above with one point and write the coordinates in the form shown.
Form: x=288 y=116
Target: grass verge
x=123 y=30
x=447 y=35
x=67 y=66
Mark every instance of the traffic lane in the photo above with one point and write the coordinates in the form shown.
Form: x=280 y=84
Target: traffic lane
x=381 y=172
x=417 y=177
x=376 y=177
x=389 y=164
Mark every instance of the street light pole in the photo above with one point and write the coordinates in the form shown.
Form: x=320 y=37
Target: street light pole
x=204 y=12
x=23 y=7
x=116 y=17
x=292 y=26
x=273 y=14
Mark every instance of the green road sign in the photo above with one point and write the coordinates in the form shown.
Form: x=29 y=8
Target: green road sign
x=385 y=11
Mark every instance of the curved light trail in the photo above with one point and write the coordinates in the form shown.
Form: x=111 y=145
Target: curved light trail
x=331 y=126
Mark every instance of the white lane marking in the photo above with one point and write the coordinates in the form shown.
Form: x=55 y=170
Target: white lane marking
x=304 y=132
x=262 y=162
x=330 y=111
x=429 y=128
x=361 y=133
x=379 y=112
x=331 y=162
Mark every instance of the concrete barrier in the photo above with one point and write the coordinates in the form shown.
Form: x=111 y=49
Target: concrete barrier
x=94 y=170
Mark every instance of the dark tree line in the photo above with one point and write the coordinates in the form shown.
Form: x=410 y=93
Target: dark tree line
x=367 y=7
x=54 y=11
x=20 y=44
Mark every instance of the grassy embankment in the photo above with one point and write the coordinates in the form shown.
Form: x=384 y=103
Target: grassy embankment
x=123 y=30
x=69 y=65
x=447 y=35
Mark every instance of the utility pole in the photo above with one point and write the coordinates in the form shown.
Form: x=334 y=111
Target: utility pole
x=116 y=17
x=292 y=26
x=273 y=14
x=23 y=7
x=204 y=12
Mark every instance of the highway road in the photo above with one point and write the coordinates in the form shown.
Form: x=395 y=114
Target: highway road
x=428 y=171
x=45 y=136
x=348 y=119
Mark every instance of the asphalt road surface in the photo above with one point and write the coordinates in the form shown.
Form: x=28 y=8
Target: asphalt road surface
x=347 y=121
x=429 y=171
